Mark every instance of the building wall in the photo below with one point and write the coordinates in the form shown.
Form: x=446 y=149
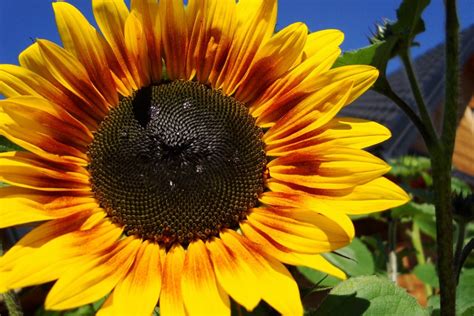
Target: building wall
x=463 y=158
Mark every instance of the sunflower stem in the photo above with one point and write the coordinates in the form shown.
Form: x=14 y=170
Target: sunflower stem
x=441 y=169
x=441 y=159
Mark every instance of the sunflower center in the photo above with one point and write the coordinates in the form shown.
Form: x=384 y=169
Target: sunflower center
x=176 y=162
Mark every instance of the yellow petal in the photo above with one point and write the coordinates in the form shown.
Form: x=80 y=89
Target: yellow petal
x=277 y=286
x=298 y=236
x=321 y=45
x=40 y=235
x=327 y=167
x=15 y=81
x=311 y=113
x=171 y=299
x=175 y=37
x=67 y=70
x=21 y=206
x=198 y=277
x=339 y=132
x=83 y=41
x=61 y=254
x=24 y=170
x=32 y=59
x=49 y=114
x=363 y=77
x=41 y=144
x=148 y=15
x=272 y=60
x=52 y=134
x=138 y=293
x=332 y=222
x=255 y=24
x=288 y=256
x=234 y=277
x=18 y=81
x=92 y=278
x=111 y=16
x=377 y=195
x=211 y=27
x=320 y=52
x=136 y=44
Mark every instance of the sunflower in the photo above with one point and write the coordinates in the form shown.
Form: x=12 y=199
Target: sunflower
x=182 y=156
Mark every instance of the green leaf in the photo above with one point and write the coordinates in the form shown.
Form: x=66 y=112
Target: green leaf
x=376 y=55
x=427 y=224
x=427 y=273
x=460 y=187
x=354 y=259
x=369 y=295
x=409 y=166
x=409 y=22
x=6 y=145
x=468 y=312
x=43 y=312
x=422 y=214
x=318 y=278
x=379 y=252
x=406 y=210
x=86 y=310
x=98 y=304
x=433 y=305
x=465 y=292
x=395 y=38
x=464 y=295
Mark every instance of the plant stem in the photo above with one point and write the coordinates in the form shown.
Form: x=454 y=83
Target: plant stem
x=452 y=77
x=420 y=253
x=464 y=254
x=441 y=168
x=388 y=92
x=416 y=241
x=422 y=108
x=392 y=268
x=441 y=159
x=441 y=151
x=12 y=304
x=459 y=244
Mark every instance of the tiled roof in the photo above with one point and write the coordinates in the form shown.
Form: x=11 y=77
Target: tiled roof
x=430 y=70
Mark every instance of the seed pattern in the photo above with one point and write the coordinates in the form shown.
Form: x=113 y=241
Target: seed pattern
x=177 y=162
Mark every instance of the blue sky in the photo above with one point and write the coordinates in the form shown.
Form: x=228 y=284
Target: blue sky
x=22 y=21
